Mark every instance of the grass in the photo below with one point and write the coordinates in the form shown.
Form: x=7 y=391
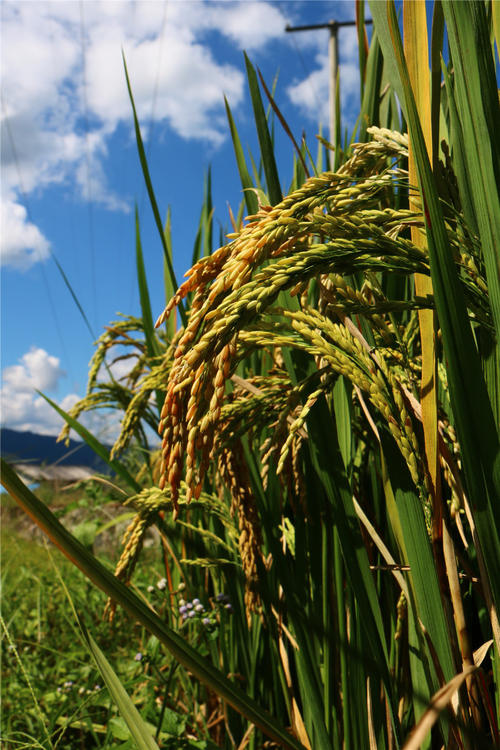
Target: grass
x=329 y=411
x=41 y=651
x=52 y=692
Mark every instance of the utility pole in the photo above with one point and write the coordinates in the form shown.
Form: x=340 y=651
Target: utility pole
x=333 y=57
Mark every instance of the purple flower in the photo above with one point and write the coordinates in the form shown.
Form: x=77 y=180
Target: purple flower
x=138 y=656
x=183 y=610
x=189 y=605
x=229 y=607
x=192 y=613
x=196 y=602
x=200 y=608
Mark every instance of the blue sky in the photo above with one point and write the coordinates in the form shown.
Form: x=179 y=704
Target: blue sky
x=70 y=171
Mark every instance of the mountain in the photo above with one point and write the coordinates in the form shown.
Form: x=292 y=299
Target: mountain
x=43 y=449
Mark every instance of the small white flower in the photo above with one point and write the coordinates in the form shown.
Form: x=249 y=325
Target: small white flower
x=162 y=584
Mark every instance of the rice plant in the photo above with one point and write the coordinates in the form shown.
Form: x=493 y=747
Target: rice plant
x=326 y=387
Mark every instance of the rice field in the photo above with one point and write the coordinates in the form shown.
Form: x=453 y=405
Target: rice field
x=326 y=388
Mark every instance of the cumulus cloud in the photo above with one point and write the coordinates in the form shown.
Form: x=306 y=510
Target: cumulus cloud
x=311 y=94
x=249 y=25
x=22 y=243
x=21 y=407
x=24 y=410
x=64 y=93
x=166 y=51
x=38 y=369
x=119 y=368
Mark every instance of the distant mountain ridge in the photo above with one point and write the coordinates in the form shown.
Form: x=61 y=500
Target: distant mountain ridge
x=29 y=447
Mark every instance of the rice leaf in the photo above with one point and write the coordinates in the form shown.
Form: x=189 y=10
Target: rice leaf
x=94 y=443
x=437 y=35
x=284 y=123
x=198 y=239
x=140 y=611
x=150 y=189
x=266 y=145
x=171 y=322
x=208 y=212
x=139 y=730
x=370 y=103
x=458 y=149
x=73 y=294
x=152 y=344
x=476 y=96
x=476 y=428
x=147 y=316
x=246 y=181
x=439 y=702
x=495 y=13
x=416 y=54
x=363 y=50
x=417 y=553
x=328 y=464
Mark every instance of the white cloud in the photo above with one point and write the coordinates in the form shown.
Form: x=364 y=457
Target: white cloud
x=24 y=410
x=21 y=242
x=120 y=368
x=249 y=25
x=311 y=95
x=29 y=413
x=38 y=369
x=190 y=85
x=64 y=92
x=21 y=407
x=165 y=50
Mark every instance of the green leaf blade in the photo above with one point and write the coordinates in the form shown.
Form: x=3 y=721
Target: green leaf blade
x=141 y=612
x=266 y=146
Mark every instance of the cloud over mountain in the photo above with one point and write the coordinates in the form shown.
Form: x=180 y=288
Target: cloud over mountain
x=21 y=407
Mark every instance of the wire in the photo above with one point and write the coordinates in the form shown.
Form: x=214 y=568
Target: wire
x=29 y=214
x=307 y=72
x=87 y=164
x=157 y=79
x=154 y=100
